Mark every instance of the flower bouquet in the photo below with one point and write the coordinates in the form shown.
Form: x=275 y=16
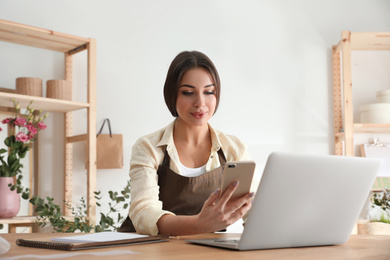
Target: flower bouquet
x=25 y=128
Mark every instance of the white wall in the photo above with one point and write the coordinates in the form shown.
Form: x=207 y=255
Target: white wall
x=274 y=59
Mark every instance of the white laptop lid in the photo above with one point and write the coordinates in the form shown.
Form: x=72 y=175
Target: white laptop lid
x=308 y=200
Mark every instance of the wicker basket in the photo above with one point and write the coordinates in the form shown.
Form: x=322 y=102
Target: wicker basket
x=59 y=89
x=29 y=86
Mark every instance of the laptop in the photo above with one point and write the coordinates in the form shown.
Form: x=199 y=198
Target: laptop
x=304 y=200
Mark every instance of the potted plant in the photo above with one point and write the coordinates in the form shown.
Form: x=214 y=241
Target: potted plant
x=380 y=222
x=25 y=128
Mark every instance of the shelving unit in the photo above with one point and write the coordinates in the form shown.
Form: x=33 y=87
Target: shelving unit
x=344 y=126
x=69 y=45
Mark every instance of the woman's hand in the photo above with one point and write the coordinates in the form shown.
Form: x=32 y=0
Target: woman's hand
x=217 y=214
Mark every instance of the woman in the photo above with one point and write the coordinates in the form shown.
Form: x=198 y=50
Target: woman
x=176 y=172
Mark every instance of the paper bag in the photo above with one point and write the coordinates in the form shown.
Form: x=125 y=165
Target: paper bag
x=109 y=149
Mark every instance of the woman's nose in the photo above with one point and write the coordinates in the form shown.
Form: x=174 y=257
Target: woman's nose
x=199 y=101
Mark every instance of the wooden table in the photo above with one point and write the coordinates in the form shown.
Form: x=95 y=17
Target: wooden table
x=358 y=247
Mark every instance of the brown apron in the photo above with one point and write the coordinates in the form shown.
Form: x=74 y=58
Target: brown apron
x=180 y=194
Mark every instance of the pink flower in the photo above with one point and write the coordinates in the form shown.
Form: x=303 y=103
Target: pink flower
x=20 y=121
x=6 y=121
x=31 y=128
x=1 y=129
x=22 y=137
x=41 y=125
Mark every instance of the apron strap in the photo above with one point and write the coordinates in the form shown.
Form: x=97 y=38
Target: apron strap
x=222 y=158
x=166 y=160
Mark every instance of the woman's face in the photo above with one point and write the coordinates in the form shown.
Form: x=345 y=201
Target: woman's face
x=196 y=99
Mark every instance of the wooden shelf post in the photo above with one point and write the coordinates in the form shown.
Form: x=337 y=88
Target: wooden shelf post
x=91 y=142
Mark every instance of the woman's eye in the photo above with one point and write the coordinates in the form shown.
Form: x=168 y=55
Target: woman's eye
x=187 y=93
x=210 y=93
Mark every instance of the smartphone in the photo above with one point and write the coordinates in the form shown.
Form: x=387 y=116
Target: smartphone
x=243 y=171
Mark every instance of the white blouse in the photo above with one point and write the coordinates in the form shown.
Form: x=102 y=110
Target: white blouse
x=192 y=172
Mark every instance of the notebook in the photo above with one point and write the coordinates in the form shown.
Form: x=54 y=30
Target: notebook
x=89 y=241
x=304 y=201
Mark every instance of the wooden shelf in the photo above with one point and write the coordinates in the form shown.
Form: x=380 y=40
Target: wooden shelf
x=365 y=128
x=26 y=220
x=19 y=220
x=372 y=128
x=369 y=41
x=69 y=45
x=344 y=127
x=41 y=103
x=40 y=38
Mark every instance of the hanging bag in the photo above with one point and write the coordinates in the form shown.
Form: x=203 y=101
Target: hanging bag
x=109 y=149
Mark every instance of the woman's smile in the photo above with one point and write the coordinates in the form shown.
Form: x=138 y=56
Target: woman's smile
x=198 y=115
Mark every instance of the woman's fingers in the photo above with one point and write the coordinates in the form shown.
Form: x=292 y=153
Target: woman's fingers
x=239 y=207
x=238 y=203
x=227 y=205
x=227 y=194
x=242 y=209
x=212 y=198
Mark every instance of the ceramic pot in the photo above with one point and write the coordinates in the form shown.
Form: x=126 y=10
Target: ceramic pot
x=9 y=200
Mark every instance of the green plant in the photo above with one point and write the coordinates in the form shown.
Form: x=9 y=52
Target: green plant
x=382 y=201
x=106 y=221
x=48 y=212
x=382 y=219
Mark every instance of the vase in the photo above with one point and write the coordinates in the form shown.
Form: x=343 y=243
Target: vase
x=9 y=200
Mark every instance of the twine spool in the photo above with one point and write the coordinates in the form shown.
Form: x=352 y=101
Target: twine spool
x=29 y=86
x=59 y=89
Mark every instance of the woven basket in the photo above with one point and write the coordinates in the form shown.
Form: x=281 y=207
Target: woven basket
x=59 y=89
x=29 y=86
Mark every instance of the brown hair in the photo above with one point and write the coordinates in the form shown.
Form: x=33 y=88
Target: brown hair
x=183 y=62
